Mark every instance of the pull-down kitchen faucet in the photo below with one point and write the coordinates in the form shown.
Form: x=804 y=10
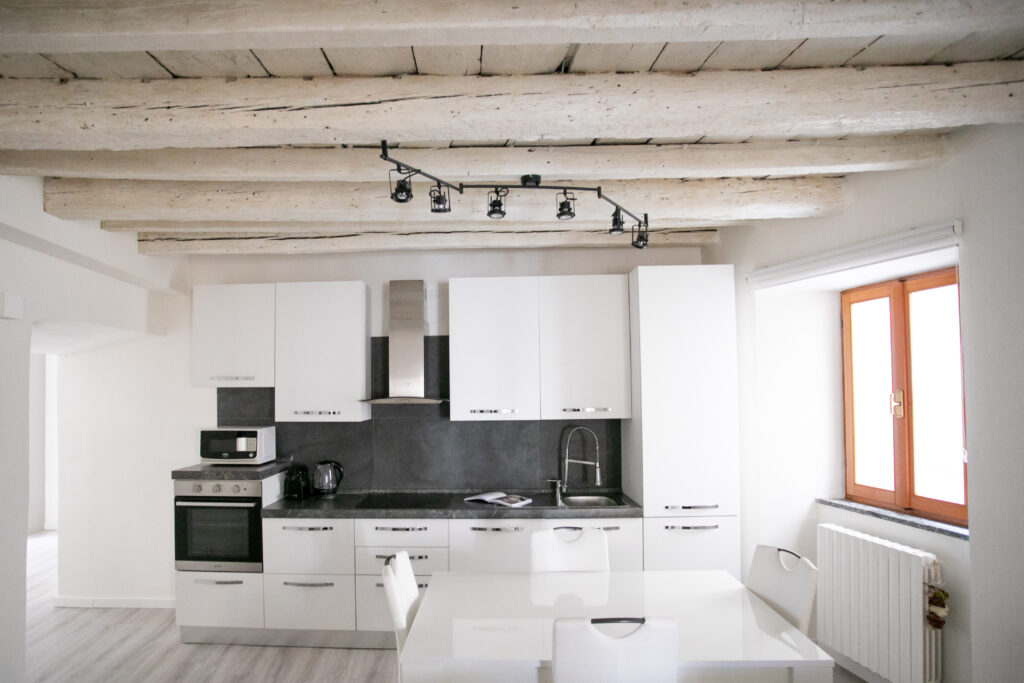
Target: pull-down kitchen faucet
x=596 y=464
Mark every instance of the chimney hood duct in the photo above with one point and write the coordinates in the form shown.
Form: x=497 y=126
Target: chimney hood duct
x=406 y=329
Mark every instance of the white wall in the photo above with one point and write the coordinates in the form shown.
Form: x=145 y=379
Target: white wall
x=981 y=185
x=128 y=416
x=37 y=444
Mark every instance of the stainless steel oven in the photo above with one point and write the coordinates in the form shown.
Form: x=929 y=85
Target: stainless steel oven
x=217 y=525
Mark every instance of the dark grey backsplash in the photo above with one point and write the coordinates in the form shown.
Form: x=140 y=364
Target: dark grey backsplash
x=411 y=447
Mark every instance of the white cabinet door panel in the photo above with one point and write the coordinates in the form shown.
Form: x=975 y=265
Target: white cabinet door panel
x=491 y=545
x=372 y=612
x=233 y=335
x=584 y=347
x=310 y=601
x=402 y=533
x=322 y=352
x=692 y=543
x=308 y=546
x=494 y=348
x=425 y=561
x=225 y=599
x=625 y=539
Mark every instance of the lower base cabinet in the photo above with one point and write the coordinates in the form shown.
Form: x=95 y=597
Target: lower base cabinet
x=219 y=599
x=625 y=539
x=372 y=611
x=692 y=543
x=491 y=545
x=322 y=602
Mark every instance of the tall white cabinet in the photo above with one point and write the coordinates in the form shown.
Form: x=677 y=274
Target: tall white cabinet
x=322 y=352
x=233 y=335
x=680 y=449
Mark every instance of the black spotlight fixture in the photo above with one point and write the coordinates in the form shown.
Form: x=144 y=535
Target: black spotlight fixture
x=401 y=190
x=566 y=202
x=440 y=201
x=640 y=235
x=618 y=225
x=496 y=202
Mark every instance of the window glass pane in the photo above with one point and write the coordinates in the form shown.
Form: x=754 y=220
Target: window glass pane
x=938 y=433
x=872 y=384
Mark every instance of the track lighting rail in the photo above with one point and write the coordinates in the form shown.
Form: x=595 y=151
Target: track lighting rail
x=402 y=192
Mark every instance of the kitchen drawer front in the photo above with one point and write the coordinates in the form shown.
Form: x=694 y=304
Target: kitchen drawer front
x=372 y=611
x=402 y=533
x=424 y=561
x=692 y=543
x=625 y=539
x=491 y=545
x=310 y=601
x=308 y=546
x=227 y=599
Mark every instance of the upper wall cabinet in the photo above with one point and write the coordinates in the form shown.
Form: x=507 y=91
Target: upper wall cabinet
x=584 y=347
x=493 y=348
x=323 y=352
x=233 y=335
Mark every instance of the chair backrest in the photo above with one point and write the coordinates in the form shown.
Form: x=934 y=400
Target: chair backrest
x=582 y=654
x=402 y=594
x=788 y=589
x=569 y=549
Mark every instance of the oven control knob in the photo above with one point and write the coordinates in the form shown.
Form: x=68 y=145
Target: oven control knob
x=197 y=488
x=216 y=488
x=236 y=488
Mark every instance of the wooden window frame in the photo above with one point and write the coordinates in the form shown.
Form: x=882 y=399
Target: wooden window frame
x=902 y=498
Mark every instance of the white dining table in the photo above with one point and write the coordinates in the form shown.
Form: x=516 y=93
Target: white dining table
x=498 y=627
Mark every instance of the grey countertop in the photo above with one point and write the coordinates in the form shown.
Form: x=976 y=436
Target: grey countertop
x=231 y=472
x=438 y=505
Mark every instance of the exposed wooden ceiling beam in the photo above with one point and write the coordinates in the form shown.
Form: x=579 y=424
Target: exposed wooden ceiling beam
x=84 y=114
x=69 y=26
x=284 y=228
x=264 y=243
x=502 y=164
x=730 y=199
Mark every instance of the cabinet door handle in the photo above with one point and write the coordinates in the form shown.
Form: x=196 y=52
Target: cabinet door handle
x=494 y=411
x=587 y=409
x=692 y=507
x=307 y=528
x=609 y=528
x=221 y=582
x=692 y=526
x=401 y=528
x=495 y=528
x=233 y=378
x=579 y=528
x=325 y=584
x=418 y=585
x=411 y=557
x=316 y=412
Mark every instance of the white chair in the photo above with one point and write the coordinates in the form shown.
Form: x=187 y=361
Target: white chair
x=403 y=597
x=788 y=589
x=582 y=654
x=569 y=549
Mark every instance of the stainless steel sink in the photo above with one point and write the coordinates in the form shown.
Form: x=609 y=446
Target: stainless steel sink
x=590 y=501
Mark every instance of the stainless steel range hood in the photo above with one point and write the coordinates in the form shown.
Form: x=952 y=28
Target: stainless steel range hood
x=406 y=329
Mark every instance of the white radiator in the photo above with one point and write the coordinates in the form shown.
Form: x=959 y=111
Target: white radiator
x=872 y=601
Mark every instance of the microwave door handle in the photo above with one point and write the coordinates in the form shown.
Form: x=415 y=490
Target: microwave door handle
x=198 y=504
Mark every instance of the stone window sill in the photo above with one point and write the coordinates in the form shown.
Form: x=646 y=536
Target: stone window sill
x=898 y=517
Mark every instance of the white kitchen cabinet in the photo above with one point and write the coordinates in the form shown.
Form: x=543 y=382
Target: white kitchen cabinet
x=494 y=349
x=308 y=546
x=224 y=599
x=310 y=601
x=491 y=545
x=692 y=543
x=322 y=352
x=233 y=335
x=424 y=561
x=625 y=539
x=403 y=533
x=372 y=611
x=584 y=347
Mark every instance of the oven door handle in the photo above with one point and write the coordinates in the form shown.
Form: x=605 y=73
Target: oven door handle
x=191 y=504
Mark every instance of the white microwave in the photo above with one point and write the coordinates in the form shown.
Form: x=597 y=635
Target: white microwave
x=237 y=445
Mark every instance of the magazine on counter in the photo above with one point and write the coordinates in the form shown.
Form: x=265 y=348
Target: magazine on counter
x=500 y=498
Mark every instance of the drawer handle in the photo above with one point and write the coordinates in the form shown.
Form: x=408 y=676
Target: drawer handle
x=307 y=528
x=587 y=409
x=234 y=378
x=579 y=528
x=609 y=528
x=221 y=582
x=692 y=526
x=494 y=411
x=411 y=557
x=401 y=528
x=325 y=584
x=316 y=412
x=418 y=585
x=692 y=507
x=495 y=528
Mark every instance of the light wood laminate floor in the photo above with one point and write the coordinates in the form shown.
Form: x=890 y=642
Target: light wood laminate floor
x=112 y=645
